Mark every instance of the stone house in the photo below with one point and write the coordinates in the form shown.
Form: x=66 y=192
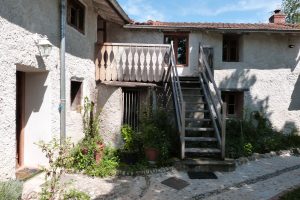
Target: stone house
x=121 y=64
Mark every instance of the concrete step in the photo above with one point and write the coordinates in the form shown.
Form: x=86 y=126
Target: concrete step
x=207 y=164
x=200 y=139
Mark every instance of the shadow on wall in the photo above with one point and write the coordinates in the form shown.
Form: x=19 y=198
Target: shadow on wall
x=242 y=80
x=43 y=17
x=35 y=90
x=295 y=98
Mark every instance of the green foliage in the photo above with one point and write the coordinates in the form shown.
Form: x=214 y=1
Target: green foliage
x=76 y=195
x=292 y=10
x=59 y=158
x=131 y=138
x=255 y=134
x=156 y=132
x=108 y=165
x=292 y=195
x=90 y=120
x=11 y=190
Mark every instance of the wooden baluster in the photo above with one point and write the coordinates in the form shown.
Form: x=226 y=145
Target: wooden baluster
x=102 y=63
x=139 y=63
x=158 y=66
x=130 y=64
x=124 y=64
x=118 y=65
x=143 y=65
x=114 y=73
x=152 y=64
x=148 y=62
x=127 y=67
x=108 y=63
x=135 y=67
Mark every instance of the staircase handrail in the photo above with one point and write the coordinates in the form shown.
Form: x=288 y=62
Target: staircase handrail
x=220 y=113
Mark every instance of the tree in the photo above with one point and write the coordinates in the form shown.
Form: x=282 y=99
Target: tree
x=292 y=10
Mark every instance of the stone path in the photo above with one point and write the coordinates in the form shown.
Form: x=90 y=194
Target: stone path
x=261 y=179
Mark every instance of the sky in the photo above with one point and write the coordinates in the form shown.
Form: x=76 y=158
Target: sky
x=234 y=11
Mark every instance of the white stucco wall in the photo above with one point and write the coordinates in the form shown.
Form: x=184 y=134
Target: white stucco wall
x=268 y=69
x=21 y=24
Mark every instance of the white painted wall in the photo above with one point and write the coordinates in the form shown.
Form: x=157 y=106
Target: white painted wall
x=21 y=24
x=268 y=68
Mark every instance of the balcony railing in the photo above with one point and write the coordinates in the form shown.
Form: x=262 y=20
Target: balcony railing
x=132 y=62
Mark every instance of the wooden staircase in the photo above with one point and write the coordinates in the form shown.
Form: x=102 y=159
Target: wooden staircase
x=200 y=138
x=200 y=115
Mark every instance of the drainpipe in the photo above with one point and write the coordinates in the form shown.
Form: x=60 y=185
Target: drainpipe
x=62 y=106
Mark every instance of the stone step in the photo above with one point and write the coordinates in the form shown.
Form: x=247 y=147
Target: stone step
x=200 y=139
x=207 y=164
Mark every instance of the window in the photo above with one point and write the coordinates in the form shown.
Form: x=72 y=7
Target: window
x=76 y=12
x=230 y=48
x=131 y=107
x=76 y=92
x=235 y=103
x=181 y=46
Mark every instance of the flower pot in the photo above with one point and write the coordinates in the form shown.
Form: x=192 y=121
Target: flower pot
x=98 y=154
x=151 y=154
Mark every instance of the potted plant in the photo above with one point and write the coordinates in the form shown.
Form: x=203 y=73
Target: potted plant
x=151 y=141
x=130 y=152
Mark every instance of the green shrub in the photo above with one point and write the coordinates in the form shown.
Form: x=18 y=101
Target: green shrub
x=76 y=195
x=11 y=190
x=292 y=195
x=132 y=140
x=108 y=165
x=255 y=134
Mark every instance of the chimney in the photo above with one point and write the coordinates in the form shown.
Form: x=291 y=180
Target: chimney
x=278 y=17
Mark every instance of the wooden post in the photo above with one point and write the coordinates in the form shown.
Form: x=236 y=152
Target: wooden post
x=182 y=136
x=224 y=110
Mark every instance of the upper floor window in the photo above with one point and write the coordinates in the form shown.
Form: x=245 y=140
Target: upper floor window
x=230 y=48
x=76 y=13
x=181 y=47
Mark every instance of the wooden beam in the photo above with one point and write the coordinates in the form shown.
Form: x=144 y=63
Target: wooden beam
x=128 y=84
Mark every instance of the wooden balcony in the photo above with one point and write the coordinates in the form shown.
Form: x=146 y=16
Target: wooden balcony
x=132 y=62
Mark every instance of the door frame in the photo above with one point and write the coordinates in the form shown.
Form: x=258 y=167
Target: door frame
x=20 y=117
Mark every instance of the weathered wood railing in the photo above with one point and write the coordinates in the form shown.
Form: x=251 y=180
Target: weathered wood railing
x=131 y=62
x=171 y=80
x=216 y=106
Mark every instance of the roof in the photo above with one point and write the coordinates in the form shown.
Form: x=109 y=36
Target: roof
x=255 y=27
x=120 y=10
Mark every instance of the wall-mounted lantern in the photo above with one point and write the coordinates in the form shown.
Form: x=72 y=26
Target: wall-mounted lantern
x=45 y=47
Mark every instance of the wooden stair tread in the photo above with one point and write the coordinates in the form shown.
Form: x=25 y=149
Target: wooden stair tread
x=186 y=88
x=198 y=129
x=202 y=150
x=196 y=110
x=208 y=161
x=197 y=120
x=200 y=139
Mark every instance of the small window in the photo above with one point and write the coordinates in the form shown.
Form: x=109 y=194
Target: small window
x=235 y=103
x=230 y=48
x=76 y=93
x=131 y=107
x=181 y=47
x=76 y=13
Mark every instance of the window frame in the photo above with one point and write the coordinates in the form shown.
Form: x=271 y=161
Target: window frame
x=176 y=37
x=238 y=103
x=230 y=38
x=75 y=4
x=75 y=102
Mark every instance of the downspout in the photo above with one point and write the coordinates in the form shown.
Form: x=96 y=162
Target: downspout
x=62 y=106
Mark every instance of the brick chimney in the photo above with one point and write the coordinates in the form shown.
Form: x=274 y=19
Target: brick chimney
x=278 y=17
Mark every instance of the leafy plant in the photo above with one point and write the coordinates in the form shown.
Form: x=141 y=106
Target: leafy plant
x=11 y=190
x=59 y=158
x=76 y=195
x=292 y=10
x=108 y=165
x=131 y=139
